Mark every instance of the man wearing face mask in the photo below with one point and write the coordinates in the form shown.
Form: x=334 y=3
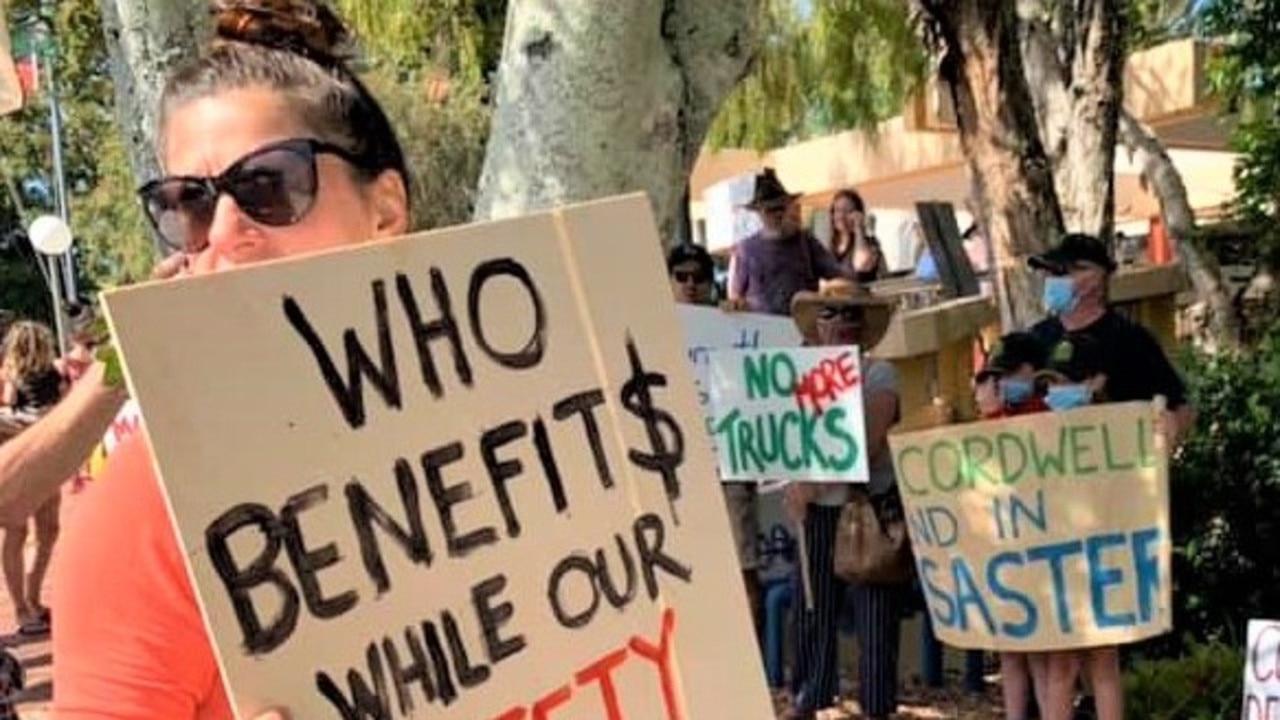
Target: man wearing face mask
x=1075 y=297
x=771 y=266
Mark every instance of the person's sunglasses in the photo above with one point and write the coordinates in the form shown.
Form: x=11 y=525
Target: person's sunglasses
x=274 y=185
x=684 y=276
x=846 y=313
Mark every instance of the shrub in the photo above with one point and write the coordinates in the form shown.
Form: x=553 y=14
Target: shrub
x=1205 y=684
x=1225 y=497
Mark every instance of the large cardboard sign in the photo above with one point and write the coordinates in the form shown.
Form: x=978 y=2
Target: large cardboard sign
x=1041 y=532
x=789 y=414
x=456 y=476
x=1262 y=672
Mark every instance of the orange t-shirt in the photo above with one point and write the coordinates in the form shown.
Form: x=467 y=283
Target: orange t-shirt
x=128 y=639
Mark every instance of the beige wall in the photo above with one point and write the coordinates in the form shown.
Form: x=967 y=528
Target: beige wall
x=918 y=156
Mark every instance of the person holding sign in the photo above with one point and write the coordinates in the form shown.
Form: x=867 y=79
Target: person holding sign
x=1078 y=273
x=1075 y=377
x=690 y=268
x=845 y=316
x=273 y=148
x=1005 y=387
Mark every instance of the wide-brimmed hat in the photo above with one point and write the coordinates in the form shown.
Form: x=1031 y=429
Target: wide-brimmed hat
x=769 y=190
x=877 y=312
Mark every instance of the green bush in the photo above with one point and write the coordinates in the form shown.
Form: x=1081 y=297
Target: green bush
x=1225 y=497
x=1205 y=684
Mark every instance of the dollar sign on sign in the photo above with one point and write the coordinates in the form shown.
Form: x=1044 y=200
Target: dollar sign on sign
x=662 y=457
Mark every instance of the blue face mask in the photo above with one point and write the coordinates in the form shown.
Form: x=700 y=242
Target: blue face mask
x=1059 y=295
x=1016 y=390
x=1067 y=397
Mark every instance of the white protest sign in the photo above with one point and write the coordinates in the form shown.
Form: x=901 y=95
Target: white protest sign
x=789 y=414
x=449 y=477
x=708 y=328
x=1262 y=672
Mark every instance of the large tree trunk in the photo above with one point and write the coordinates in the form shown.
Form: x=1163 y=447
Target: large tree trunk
x=1221 y=326
x=982 y=63
x=1073 y=56
x=608 y=98
x=146 y=38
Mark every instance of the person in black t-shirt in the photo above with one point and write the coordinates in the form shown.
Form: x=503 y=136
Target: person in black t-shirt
x=1075 y=297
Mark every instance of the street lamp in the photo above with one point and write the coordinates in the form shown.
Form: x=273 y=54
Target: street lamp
x=51 y=237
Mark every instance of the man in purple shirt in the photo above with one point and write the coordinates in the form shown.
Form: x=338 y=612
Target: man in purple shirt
x=782 y=258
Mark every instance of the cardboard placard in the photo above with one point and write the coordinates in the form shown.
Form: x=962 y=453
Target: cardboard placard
x=449 y=476
x=1262 y=672
x=789 y=414
x=1041 y=532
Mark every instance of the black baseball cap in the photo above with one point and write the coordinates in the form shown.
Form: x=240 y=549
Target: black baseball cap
x=1012 y=352
x=1074 y=248
x=1077 y=357
x=688 y=252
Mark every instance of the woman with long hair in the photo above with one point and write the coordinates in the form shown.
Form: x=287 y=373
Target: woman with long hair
x=851 y=243
x=33 y=384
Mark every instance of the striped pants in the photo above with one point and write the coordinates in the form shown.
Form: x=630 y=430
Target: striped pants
x=877 y=616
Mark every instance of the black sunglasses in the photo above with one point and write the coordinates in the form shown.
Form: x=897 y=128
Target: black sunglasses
x=274 y=185
x=847 y=313
x=684 y=276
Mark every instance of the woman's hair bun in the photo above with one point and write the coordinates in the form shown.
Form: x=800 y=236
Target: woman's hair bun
x=305 y=27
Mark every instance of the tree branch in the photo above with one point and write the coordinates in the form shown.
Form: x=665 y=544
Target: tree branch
x=1180 y=220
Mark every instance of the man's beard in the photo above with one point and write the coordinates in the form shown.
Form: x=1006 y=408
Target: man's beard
x=780 y=233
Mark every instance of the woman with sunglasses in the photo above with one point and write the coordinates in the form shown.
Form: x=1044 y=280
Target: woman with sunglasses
x=271 y=148
x=847 y=315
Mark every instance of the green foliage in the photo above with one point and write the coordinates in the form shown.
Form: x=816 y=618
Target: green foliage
x=1245 y=76
x=23 y=292
x=848 y=64
x=461 y=38
x=112 y=243
x=1205 y=684
x=1152 y=22
x=444 y=141
x=1225 y=495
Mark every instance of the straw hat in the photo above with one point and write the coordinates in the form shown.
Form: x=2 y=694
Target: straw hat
x=877 y=312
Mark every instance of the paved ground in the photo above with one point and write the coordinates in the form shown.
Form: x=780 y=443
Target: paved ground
x=36 y=653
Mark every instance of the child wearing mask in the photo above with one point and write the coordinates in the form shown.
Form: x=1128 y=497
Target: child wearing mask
x=1006 y=386
x=1075 y=377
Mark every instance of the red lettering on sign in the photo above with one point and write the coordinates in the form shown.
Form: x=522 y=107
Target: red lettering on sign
x=601 y=672
x=558 y=697
x=661 y=656
x=827 y=383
